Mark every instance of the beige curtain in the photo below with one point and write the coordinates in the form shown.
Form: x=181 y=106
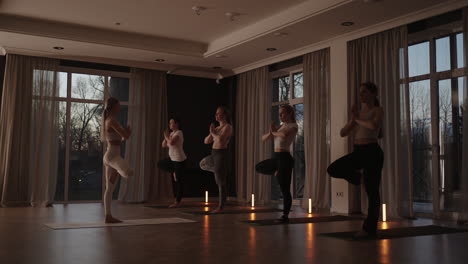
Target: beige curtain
x=316 y=69
x=253 y=118
x=147 y=117
x=379 y=58
x=463 y=217
x=29 y=131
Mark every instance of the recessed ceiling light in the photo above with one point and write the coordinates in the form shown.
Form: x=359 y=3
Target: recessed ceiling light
x=347 y=24
x=271 y=49
x=59 y=48
x=160 y=60
x=232 y=15
x=198 y=9
x=280 y=34
x=216 y=68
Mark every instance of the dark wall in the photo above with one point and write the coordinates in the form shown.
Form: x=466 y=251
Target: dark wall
x=194 y=101
x=2 y=75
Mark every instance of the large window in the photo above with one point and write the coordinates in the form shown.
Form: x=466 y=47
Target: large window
x=81 y=100
x=287 y=88
x=436 y=90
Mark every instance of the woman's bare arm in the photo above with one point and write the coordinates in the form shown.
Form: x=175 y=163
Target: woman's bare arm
x=123 y=132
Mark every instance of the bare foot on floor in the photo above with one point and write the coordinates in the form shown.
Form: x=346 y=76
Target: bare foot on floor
x=175 y=205
x=217 y=211
x=112 y=220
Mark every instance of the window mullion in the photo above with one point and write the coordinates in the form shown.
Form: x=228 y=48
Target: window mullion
x=291 y=85
x=67 y=138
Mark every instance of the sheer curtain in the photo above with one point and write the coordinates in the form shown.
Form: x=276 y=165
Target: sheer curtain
x=29 y=131
x=147 y=116
x=379 y=58
x=316 y=68
x=253 y=118
x=463 y=217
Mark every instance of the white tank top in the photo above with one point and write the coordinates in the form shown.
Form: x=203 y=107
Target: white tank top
x=364 y=132
x=285 y=143
x=176 y=152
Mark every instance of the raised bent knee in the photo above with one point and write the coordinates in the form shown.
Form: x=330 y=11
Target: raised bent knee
x=331 y=169
x=128 y=173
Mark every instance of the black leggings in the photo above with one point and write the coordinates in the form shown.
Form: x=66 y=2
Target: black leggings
x=370 y=159
x=283 y=163
x=177 y=167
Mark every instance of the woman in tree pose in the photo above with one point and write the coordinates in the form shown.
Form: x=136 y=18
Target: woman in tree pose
x=366 y=156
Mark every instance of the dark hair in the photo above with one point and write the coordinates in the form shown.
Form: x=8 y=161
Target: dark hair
x=226 y=112
x=290 y=110
x=110 y=103
x=176 y=120
x=371 y=87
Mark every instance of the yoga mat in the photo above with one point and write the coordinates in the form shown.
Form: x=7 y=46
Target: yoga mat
x=304 y=220
x=402 y=232
x=182 y=206
x=189 y=205
x=130 y=222
x=247 y=210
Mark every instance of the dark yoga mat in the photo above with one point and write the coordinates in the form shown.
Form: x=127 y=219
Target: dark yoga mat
x=399 y=232
x=187 y=205
x=228 y=210
x=304 y=220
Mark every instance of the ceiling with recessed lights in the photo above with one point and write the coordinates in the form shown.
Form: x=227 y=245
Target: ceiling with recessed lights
x=194 y=34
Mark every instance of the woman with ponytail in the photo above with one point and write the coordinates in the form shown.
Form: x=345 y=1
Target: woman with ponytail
x=282 y=163
x=115 y=165
x=366 y=125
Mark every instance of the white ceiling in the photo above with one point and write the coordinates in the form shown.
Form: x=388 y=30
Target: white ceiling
x=166 y=18
x=169 y=29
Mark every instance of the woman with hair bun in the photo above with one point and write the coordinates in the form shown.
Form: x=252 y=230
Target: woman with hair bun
x=114 y=134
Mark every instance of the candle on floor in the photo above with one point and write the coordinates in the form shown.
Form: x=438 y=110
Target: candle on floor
x=310 y=205
x=206 y=197
x=384 y=212
x=253 y=200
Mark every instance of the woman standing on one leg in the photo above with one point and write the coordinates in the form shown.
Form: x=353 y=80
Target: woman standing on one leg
x=113 y=133
x=282 y=163
x=367 y=154
x=217 y=162
x=175 y=164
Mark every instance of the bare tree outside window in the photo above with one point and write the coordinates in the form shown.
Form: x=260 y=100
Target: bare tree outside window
x=420 y=114
x=290 y=92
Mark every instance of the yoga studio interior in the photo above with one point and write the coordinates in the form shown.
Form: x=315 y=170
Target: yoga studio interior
x=233 y=131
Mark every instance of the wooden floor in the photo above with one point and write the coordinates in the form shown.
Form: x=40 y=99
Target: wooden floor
x=212 y=239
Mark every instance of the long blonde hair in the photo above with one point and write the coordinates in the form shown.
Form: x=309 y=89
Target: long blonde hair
x=110 y=103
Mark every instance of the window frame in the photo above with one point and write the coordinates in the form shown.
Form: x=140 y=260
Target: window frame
x=289 y=71
x=434 y=78
x=69 y=100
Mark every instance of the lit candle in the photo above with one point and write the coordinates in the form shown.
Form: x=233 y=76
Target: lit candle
x=384 y=212
x=310 y=205
x=253 y=200
x=206 y=197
